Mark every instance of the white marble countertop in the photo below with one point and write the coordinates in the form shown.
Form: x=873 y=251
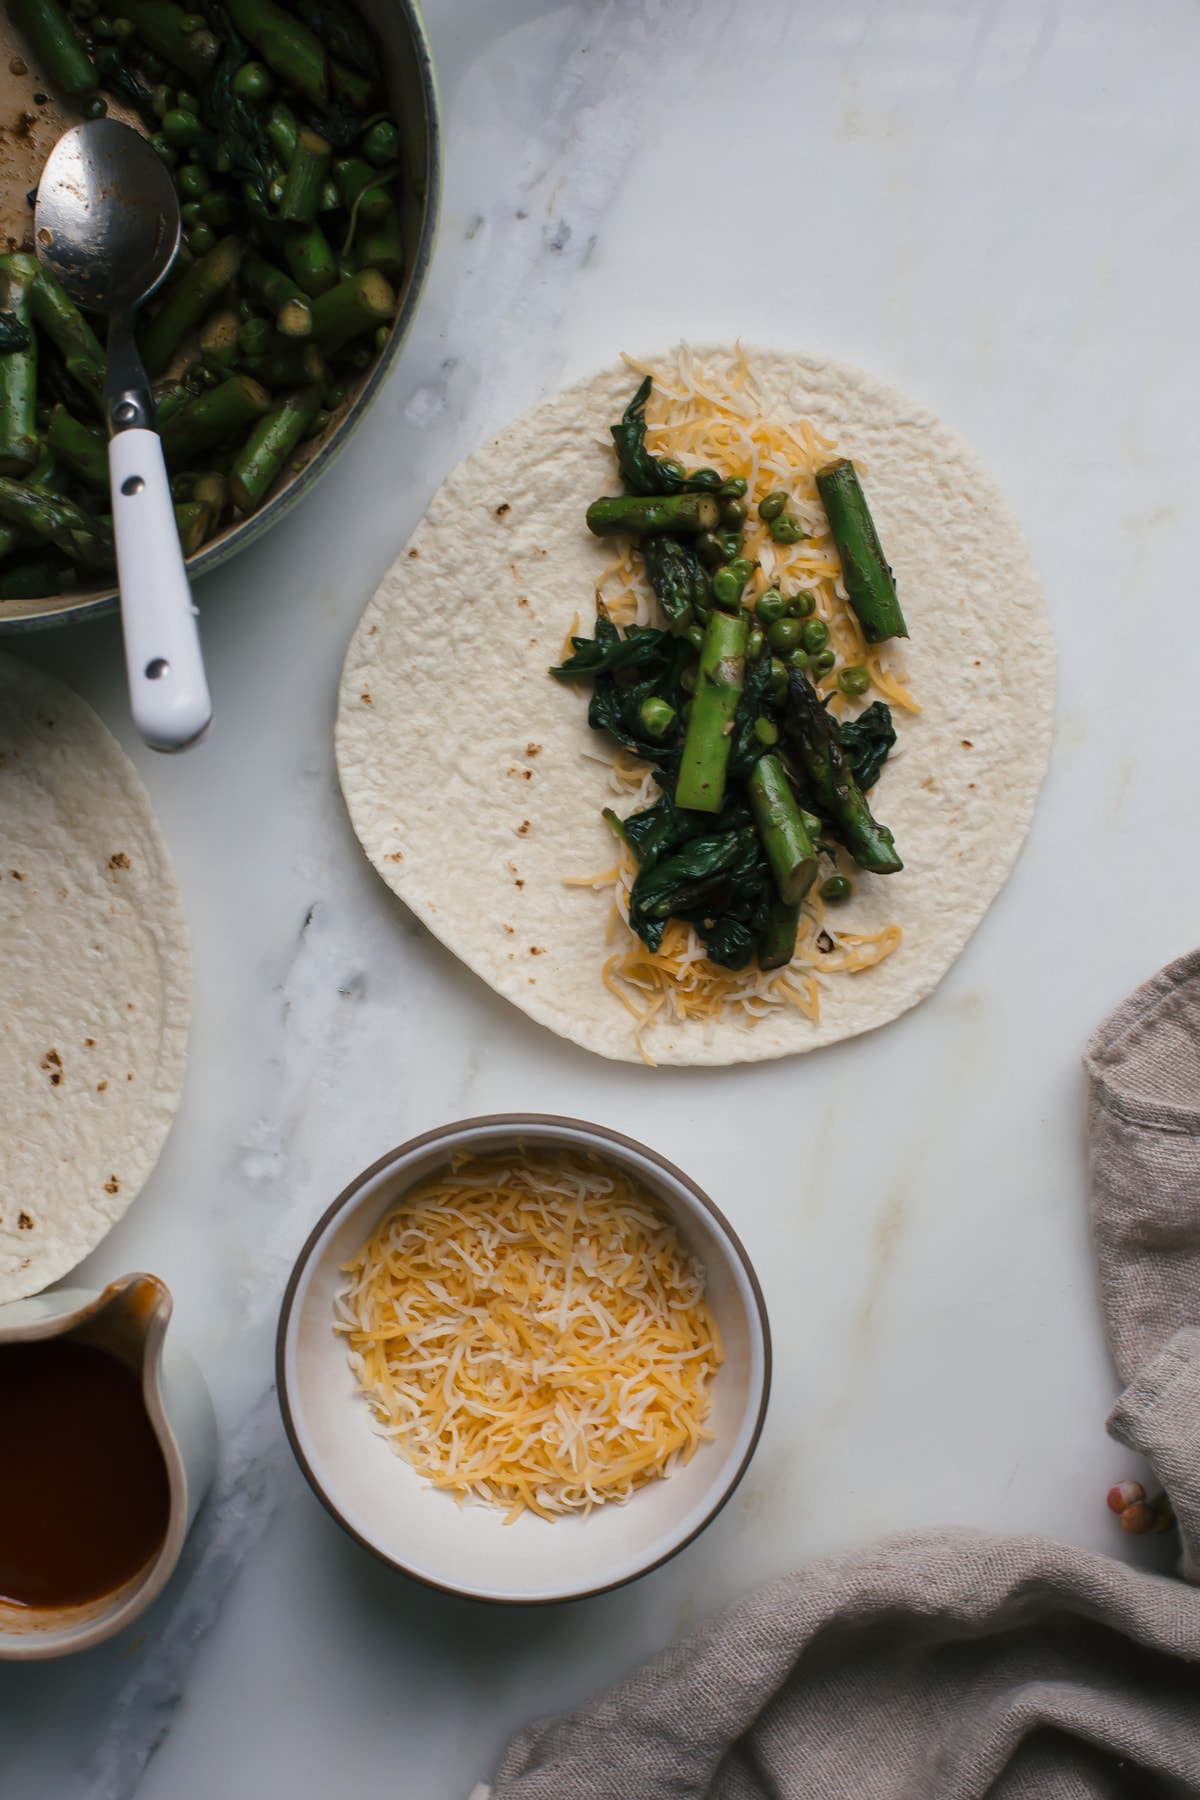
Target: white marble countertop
x=996 y=207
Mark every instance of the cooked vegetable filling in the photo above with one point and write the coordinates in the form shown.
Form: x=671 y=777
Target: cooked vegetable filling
x=726 y=654
x=280 y=298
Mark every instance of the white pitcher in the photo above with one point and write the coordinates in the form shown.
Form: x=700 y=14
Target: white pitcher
x=128 y=1320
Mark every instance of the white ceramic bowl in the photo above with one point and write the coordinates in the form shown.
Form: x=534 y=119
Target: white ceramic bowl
x=468 y=1549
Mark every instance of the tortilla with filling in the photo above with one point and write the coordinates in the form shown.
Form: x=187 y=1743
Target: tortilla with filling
x=477 y=787
x=95 y=981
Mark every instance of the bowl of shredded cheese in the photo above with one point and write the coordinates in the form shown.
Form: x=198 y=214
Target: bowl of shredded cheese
x=523 y=1359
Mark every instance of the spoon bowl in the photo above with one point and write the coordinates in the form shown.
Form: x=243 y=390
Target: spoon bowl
x=107 y=220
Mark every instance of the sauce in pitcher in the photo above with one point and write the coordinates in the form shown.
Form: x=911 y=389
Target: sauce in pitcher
x=84 y=1495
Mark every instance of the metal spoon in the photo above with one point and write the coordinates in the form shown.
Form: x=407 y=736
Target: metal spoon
x=107 y=225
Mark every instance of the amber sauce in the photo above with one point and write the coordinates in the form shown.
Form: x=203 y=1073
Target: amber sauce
x=84 y=1496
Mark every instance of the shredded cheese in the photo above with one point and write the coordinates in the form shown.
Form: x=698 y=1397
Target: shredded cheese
x=714 y=418
x=531 y=1333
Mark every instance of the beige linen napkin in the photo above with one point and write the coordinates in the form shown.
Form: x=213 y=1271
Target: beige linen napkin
x=944 y=1665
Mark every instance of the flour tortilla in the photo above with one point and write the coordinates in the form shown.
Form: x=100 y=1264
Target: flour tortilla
x=95 y=981
x=470 y=775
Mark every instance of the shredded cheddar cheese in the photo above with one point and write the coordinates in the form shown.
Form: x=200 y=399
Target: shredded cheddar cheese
x=531 y=1332
x=711 y=418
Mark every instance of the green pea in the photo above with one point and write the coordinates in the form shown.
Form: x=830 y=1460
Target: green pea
x=687 y=681
x=694 y=635
x=756 y=642
x=734 y=514
x=836 y=889
x=191 y=22
x=709 y=549
x=124 y=30
x=657 y=718
x=162 y=102
x=770 y=606
x=766 y=732
x=95 y=107
x=798 y=659
x=731 y=544
x=381 y=143
x=335 y=394
x=253 y=81
x=330 y=198
x=182 y=128
x=319 y=422
x=771 y=507
x=670 y=467
x=161 y=147
x=785 y=635
x=854 y=680
x=218 y=210
x=801 y=604
x=786 y=530
x=201 y=239
x=183 y=485
x=727 y=587
x=743 y=568
x=188 y=102
x=815 y=635
x=705 y=481
x=822 y=662
x=777 y=680
x=191 y=215
x=359 y=356
x=733 y=489
x=193 y=181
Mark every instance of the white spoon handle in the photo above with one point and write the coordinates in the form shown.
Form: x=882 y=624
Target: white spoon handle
x=167 y=687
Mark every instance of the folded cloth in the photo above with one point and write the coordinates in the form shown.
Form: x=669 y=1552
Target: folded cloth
x=943 y=1665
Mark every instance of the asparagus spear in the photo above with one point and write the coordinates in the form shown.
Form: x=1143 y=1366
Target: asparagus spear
x=292 y=308
x=64 y=324
x=163 y=27
x=351 y=87
x=219 y=338
x=212 y=417
x=283 y=129
x=55 y=45
x=777 y=946
x=814 y=732
x=192 y=521
x=356 y=305
x=293 y=51
x=187 y=301
x=310 y=258
x=18 y=370
x=701 y=786
x=269 y=446
x=69 y=528
x=381 y=247
x=306 y=177
x=341 y=28
x=636 y=515
x=788 y=846
x=866 y=570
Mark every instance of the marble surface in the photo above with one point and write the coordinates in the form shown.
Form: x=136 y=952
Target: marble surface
x=995 y=206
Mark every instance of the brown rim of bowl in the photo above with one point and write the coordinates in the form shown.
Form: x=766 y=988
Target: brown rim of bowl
x=252 y=527
x=512 y=1122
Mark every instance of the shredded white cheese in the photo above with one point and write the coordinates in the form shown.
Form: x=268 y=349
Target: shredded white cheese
x=532 y=1333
